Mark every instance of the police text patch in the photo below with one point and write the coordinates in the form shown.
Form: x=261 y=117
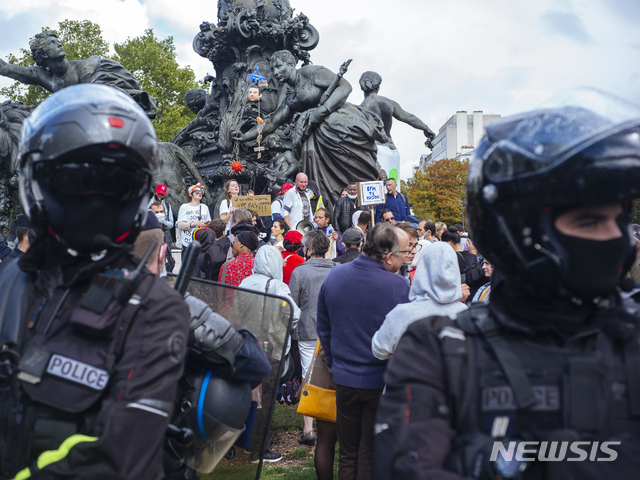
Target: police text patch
x=78 y=372
x=501 y=398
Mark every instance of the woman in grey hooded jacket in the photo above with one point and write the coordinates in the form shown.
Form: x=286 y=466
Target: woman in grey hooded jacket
x=435 y=290
x=267 y=278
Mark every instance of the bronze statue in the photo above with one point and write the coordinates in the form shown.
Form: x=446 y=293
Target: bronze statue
x=388 y=109
x=196 y=99
x=54 y=72
x=283 y=167
x=336 y=138
x=245 y=36
x=12 y=114
x=298 y=119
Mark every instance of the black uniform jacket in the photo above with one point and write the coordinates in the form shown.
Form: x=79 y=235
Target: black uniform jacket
x=130 y=409
x=579 y=361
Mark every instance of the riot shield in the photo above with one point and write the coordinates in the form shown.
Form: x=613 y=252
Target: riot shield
x=269 y=318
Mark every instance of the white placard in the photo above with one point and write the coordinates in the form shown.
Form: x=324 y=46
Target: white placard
x=371 y=193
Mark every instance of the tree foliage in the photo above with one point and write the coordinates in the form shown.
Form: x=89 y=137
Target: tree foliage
x=20 y=92
x=151 y=61
x=438 y=191
x=82 y=39
x=635 y=211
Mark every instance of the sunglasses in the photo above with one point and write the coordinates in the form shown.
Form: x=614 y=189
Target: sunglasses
x=199 y=192
x=390 y=219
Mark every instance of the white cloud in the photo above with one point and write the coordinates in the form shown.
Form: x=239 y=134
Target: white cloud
x=435 y=57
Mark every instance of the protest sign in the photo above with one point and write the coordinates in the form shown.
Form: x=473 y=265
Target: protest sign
x=258 y=203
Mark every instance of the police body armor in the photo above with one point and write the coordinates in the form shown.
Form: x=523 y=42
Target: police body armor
x=543 y=393
x=52 y=384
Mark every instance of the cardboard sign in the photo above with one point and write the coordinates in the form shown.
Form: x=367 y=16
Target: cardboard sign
x=258 y=203
x=371 y=193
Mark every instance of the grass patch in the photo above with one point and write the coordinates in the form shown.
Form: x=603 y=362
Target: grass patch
x=245 y=472
x=299 y=453
x=286 y=419
x=305 y=471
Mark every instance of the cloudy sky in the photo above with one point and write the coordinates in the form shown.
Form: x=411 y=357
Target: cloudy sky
x=435 y=57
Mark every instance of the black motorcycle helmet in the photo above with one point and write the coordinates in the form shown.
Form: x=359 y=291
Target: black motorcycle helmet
x=529 y=168
x=215 y=410
x=86 y=158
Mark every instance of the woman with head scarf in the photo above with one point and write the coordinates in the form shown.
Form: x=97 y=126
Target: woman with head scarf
x=243 y=248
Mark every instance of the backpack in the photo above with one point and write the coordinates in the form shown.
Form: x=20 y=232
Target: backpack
x=215 y=257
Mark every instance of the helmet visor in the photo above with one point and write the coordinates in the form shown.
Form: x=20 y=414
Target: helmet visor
x=204 y=458
x=80 y=177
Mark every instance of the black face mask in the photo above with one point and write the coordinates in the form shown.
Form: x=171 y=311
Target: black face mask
x=595 y=267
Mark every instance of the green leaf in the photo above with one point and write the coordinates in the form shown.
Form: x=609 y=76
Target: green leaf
x=153 y=63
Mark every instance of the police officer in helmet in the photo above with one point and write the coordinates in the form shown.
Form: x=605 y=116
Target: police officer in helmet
x=553 y=359
x=92 y=343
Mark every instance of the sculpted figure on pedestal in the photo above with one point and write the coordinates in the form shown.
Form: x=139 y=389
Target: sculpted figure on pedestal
x=54 y=72
x=336 y=139
x=388 y=109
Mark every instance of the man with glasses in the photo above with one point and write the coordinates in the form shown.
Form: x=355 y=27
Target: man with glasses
x=414 y=247
x=387 y=216
x=353 y=302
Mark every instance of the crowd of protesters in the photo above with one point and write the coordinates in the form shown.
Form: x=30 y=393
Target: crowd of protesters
x=356 y=285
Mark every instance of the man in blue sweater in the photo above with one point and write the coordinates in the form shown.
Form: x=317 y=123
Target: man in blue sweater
x=353 y=302
x=394 y=201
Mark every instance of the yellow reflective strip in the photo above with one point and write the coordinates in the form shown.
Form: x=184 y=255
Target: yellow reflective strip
x=52 y=456
x=23 y=474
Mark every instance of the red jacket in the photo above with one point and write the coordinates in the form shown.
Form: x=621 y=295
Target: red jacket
x=290 y=260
